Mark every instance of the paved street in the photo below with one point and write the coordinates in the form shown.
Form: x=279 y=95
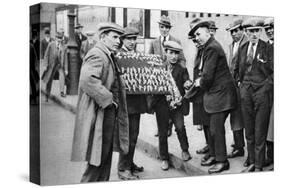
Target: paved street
x=57 y=125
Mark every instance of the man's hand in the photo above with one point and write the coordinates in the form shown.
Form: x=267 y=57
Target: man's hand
x=197 y=82
x=187 y=84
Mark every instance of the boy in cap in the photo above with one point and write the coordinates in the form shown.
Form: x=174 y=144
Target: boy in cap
x=254 y=74
x=156 y=47
x=181 y=78
x=88 y=44
x=136 y=105
x=269 y=30
x=56 y=59
x=239 y=38
x=219 y=94
x=101 y=123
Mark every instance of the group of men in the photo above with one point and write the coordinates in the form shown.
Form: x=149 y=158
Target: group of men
x=241 y=86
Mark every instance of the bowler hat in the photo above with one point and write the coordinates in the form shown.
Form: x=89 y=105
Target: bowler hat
x=130 y=32
x=268 y=22
x=172 y=45
x=198 y=25
x=78 y=26
x=235 y=24
x=165 y=20
x=108 y=26
x=213 y=25
x=253 y=23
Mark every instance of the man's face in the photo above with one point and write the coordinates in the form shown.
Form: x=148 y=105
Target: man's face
x=212 y=32
x=269 y=32
x=236 y=34
x=164 y=30
x=111 y=40
x=172 y=56
x=195 y=42
x=130 y=42
x=254 y=35
x=79 y=30
x=202 y=35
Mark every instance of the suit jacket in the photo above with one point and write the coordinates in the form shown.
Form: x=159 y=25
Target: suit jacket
x=232 y=59
x=136 y=104
x=98 y=73
x=43 y=46
x=216 y=81
x=85 y=47
x=262 y=65
x=156 y=47
x=180 y=76
x=78 y=40
x=55 y=58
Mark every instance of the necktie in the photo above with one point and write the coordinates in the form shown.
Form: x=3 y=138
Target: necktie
x=250 y=57
x=164 y=40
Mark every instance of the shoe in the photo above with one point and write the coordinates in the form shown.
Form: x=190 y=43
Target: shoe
x=136 y=169
x=165 y=165
x=205 y=157
x=127 y=175
x=236 y=153
x=62 y=94
x=156 y=134
x=203 y=150
x=186 y=156
x=209 y=162
x=258 y=169
x=250 y=168
x=246 y=163
x=219 y=167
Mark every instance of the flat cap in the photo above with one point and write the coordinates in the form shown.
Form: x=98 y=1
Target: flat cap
x=130 y=32
x=165 y=20
x=172 y=45
x=90 y=33
x=213 y=24
x=78 y=26
x=108 y=26
x=253 y=23
x=198 y=25
x=235 y=24
x=268 y=22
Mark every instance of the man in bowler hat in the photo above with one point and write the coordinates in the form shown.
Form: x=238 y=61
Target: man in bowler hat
x=219 y=94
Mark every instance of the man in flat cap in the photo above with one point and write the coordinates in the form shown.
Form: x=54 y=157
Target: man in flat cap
x=219 y=94
x=56 y=59
x=44 y=42
x=101 y=123
x=254 y=74
x=136 y=105
x=200 y=116
x=177 y=109
x=213 y=27
x=156 y=47
x=88 y=44
x=269 y=30
x=64 y=37
x=239 y=38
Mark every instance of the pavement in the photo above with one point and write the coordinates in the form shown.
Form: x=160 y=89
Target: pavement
x=148 y=143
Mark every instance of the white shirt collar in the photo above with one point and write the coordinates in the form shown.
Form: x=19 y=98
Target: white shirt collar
x=255 y=48
x=167 y=38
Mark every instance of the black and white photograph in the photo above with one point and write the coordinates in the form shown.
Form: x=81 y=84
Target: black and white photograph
x=127 y=93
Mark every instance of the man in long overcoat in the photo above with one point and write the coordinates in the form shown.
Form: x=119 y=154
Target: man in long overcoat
x=101 y=123
x=219 y=94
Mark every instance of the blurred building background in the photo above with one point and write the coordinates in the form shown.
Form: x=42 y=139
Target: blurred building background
x=54 y=16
